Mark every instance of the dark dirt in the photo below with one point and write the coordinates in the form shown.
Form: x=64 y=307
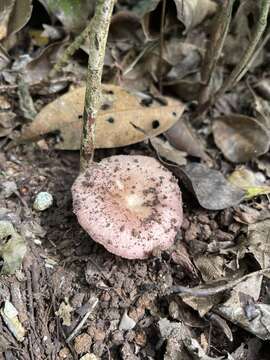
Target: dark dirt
x=67 y=266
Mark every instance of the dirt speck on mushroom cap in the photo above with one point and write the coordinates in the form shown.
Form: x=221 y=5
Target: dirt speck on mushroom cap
x=129 y=204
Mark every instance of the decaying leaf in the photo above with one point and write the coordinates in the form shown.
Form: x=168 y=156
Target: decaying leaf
x=193 y=12
x=262 y=87
x=263 y=164
x=210 y=188
x=186 y=89
x=38 y=68
x=10 y=318
x=184 y=58
x=125 y=26
x=64 y=312
x=14 y=14
x=174 y=333
x=72 y=14
x=211 y=267
x=189 y=12
x=182 y=137
x=262 y=109
x=249 y=181
x=197 y=352
x=240 y=138
x=242 y=308
x=7 y=123
x=168 y=152
x=258 y=242
x=202 y=304
x=120 y=121
x=12 y=248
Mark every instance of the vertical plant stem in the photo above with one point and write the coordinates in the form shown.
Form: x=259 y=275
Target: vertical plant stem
x=242 y=67
x=70 y=50
x=215 y=46
x=161 y=44
x=98 y=40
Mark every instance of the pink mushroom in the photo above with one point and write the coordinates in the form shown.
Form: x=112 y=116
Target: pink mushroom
x=129 y=204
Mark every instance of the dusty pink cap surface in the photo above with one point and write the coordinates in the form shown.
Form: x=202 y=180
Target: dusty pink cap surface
x=129 y=204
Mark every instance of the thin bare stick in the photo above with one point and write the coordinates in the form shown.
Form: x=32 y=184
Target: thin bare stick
x=205 y=291
x=215 y=46
x=93 y=303
x=242 y=67
x=70 y=50
x=98 y=40
x=161 y=44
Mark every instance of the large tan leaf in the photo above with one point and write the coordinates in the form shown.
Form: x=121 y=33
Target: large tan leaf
x=122 y=120
x=14 y=14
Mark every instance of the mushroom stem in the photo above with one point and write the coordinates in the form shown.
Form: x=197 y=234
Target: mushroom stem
x=98 y=40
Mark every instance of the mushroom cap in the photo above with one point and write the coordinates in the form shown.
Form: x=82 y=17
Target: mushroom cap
x=129 y=204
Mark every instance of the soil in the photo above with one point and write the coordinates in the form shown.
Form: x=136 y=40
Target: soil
x=64 y=266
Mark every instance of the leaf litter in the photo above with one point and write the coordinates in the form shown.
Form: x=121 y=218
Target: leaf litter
x=210 y=279
x=121 y=113
x=240 y=138
x=210 y=188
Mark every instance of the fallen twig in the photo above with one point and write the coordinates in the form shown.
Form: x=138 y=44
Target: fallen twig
x=93 y=304
x=206 y=290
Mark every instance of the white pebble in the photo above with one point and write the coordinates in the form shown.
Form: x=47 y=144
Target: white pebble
x=43 y=201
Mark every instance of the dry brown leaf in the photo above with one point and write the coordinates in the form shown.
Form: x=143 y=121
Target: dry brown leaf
x=168 y=152
x=14 y=14
x=240 y=138
x=189 y=12
x=183 y=138
x=193 y=12
x=209 y=186
x=122 y=120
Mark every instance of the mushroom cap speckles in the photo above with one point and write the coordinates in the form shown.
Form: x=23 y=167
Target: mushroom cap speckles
x=129 y=204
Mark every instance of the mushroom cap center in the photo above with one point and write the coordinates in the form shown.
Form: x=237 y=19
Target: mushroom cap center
x=130 y=197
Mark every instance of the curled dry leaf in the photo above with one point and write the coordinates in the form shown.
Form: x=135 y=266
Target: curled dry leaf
x=126 y=26
x=258 y=242
x=72 y=14
x=120 y=121
x=182 y=137
x=14 y=14
x=186 y=89
x=243 y=310
x=185 y=58
x=210 y=188
x=249 y=181
x=262 y=87
x=193 y=12
x=262 y=110
x=189 y=12
x=240 y=138
x=12 y=248
x=168 y=152
x=10 y=317
x=38 y=68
